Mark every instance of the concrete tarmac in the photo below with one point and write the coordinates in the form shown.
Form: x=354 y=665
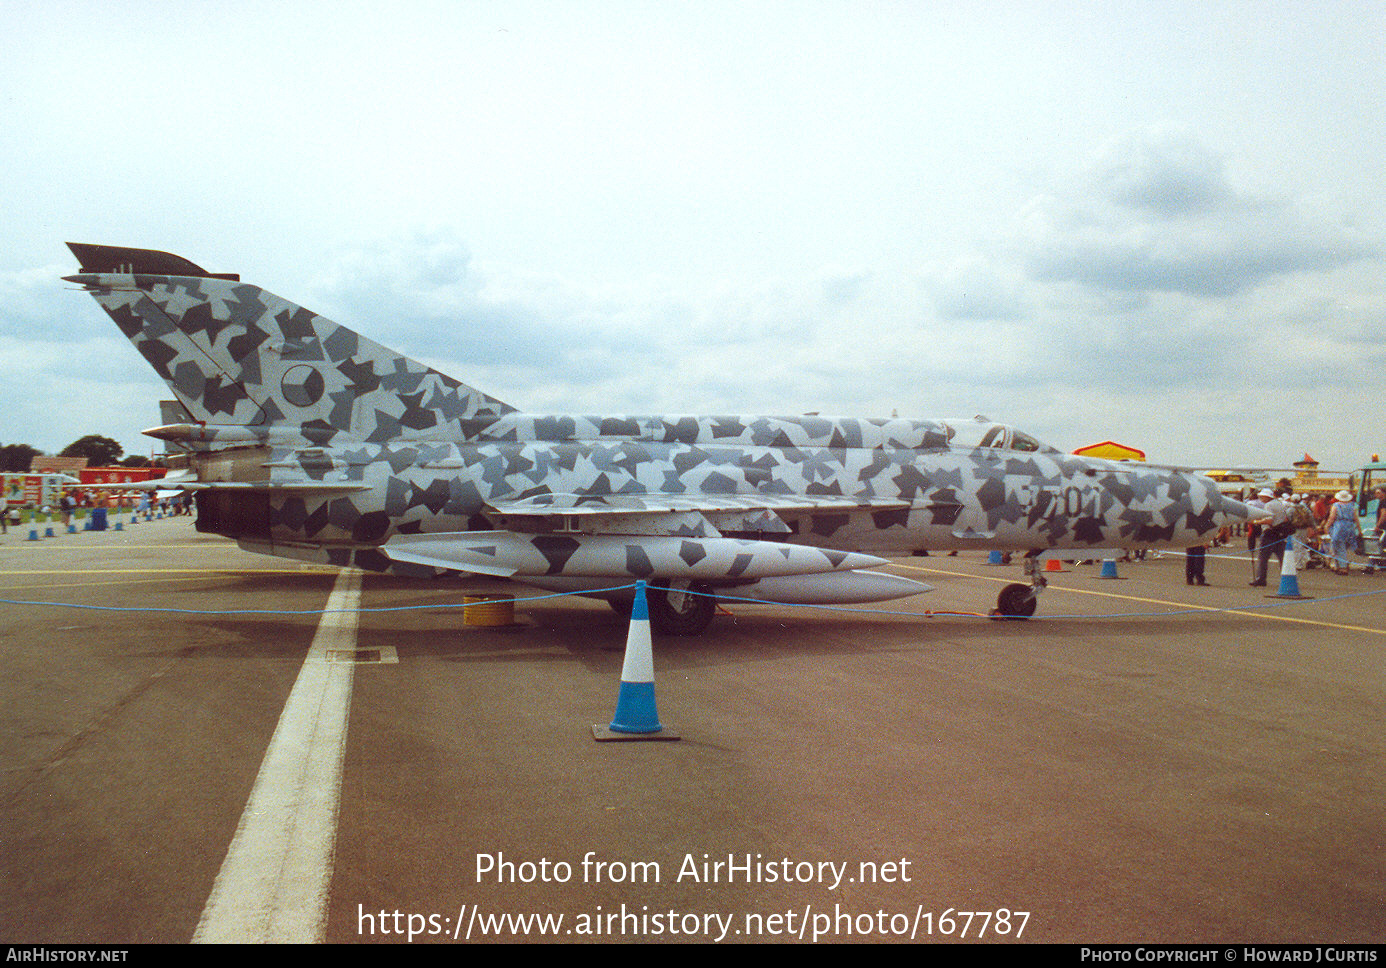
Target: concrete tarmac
x=1145 y=761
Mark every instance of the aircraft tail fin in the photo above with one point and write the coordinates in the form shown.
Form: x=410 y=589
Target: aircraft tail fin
x=237 y=355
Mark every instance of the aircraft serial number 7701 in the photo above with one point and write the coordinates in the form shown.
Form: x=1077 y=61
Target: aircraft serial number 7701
x=310 y=441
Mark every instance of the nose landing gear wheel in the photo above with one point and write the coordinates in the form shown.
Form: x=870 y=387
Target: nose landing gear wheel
x=1015 y=601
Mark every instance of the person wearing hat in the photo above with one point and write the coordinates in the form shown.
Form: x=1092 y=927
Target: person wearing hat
x=1255 y=502
x=1303 y=520
x=1277 y=529
x=1343 y=530
x=1273 y=533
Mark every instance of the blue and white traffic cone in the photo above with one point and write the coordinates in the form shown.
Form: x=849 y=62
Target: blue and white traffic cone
x=1108 y=568
x=635 y=705
x=1289 y=580
x=48 y=532
x=636 y=716
x=33 y=534
x=994 y=558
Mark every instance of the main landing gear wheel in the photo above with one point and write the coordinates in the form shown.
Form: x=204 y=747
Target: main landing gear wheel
x=680 y=612
x=1016 y=601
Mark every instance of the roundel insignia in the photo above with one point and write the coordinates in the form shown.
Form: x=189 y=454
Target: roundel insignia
x=302 y=385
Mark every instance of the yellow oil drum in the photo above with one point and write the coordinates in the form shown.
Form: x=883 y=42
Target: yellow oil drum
x=488 y=611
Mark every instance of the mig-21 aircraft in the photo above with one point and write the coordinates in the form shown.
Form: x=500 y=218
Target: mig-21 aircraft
x=310 y=441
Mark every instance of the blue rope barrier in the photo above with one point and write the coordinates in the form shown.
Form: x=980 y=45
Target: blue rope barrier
x=305 y=611
x=1197 y=610
x=720 y=596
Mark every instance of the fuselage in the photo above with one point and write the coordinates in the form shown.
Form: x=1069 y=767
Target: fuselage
x=885 y=487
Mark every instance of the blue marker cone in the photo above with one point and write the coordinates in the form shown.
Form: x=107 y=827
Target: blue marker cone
x=994 y=558
x=48 y=532
x=1289 y=579
x=33 y=534
x=635 y=705
x=636 y=716
x=1108 y=568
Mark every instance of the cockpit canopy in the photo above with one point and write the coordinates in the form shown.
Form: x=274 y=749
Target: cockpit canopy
x=979 y=431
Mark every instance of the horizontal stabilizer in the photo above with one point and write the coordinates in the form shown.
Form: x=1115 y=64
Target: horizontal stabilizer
x=170 y=483
x=274 y=486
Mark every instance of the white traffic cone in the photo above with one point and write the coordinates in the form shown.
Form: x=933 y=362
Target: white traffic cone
x=1289 y=580
x=636 y=716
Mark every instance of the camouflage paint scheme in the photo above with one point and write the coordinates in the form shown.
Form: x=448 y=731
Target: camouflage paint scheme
x=314 y=442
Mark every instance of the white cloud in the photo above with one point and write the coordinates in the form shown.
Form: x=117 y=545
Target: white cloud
x=1165 y=172
x=1156 y=214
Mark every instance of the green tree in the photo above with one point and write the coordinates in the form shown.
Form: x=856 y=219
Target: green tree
x=99 y=451
x=15 y=458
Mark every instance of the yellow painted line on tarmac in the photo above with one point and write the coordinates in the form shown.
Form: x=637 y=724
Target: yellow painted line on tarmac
x=1158 y=601
x=78 y=547
x=165 y=575
x=311 y=570
x=86 y=584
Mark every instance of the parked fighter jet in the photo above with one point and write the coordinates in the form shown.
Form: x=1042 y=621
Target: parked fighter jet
x=313 y=442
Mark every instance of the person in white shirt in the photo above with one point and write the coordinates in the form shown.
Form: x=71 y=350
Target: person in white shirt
x=1273 y=536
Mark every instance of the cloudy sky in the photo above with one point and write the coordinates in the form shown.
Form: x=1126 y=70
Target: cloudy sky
x=1159 y=223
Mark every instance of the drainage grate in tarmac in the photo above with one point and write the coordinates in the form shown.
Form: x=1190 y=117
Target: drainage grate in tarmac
x=382 y=656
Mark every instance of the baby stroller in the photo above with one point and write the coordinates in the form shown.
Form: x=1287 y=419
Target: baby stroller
x=1371 y=547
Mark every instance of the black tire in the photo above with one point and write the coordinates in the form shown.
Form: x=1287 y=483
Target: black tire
x=675 y=612
x=1016 y=601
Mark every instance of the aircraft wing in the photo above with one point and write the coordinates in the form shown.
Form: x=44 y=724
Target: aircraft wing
x=510 y=554
x=691 y=537
x=1132 y=467
x=690 y=515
